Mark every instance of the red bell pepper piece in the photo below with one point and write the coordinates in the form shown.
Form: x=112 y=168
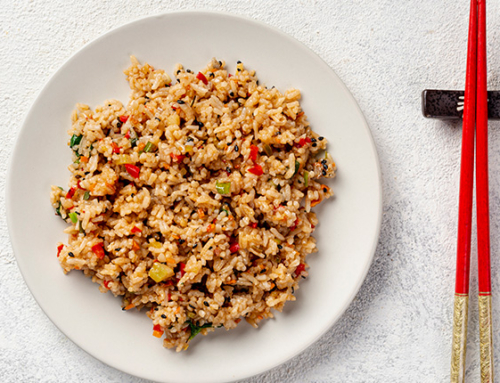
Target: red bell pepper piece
x=201 y=76
x=71 y=193
x=300 y=268
x=234 y=247
x=257 y=170
x=123 y=119
x=59 y=248
x=98 y=250
x=116 y=148
x=177 y=157
x=135 y=230
x=254 y=151
x=132 y=170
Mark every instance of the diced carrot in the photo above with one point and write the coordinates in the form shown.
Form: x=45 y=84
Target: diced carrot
x=201 y=213
x=135 y=246
x=129 y=306
x=315 y=202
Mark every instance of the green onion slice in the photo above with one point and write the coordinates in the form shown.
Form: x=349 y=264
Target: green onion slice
x=297 y=166
x=223 y=187
x=268 y=150
x=73 y=217
x=75 y=140
x=148 y=147
x=306 y=178
x=86 y=195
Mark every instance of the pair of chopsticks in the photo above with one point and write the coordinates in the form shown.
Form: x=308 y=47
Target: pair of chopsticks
x=475 y=121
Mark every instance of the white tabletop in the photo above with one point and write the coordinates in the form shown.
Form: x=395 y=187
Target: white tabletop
x=398 y=328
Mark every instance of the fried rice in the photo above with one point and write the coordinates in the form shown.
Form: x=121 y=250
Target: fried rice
x=193 y=202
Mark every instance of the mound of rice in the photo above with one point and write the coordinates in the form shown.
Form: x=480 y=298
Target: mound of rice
x=194 y=201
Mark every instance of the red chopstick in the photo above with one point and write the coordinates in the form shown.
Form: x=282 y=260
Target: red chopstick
x=482 y=204
x=475 y=117
x=465 y=207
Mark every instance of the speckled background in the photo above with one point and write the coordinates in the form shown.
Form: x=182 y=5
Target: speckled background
x=398 y=329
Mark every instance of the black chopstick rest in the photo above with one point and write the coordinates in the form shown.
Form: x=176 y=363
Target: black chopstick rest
x=444 y=104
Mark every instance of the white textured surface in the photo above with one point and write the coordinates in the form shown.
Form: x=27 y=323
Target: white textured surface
x=398 y=328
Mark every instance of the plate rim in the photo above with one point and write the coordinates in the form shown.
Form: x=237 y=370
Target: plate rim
x=207 y=13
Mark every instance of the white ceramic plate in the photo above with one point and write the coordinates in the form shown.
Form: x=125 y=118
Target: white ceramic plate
x=349 y=223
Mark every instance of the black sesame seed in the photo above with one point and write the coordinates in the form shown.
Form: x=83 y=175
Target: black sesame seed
x=179 y=71
x=323 y=172
x=212 y=74
x=257 y=82
x=229 y=143
x=238 y=62
x=293 y=290
x=190 y=305
x=146 y=97
x=71 y=254
x=236 y=148
x=118 y=249
x=325 y=190
x=323 y=162
x=119 y=124
x=156 y=118
x=325 y=166
x=314 y=144
x=188 y=70
x=178 y=80
x=231 y=93
x=280 y=247
x=206 y=303
x=313 y=139
x=195 y=245
x=278 y=187
x=228 y=169
x=238 y=69
x=181 y=241
x=321 y=138
x=163 y=316
x=220 y=63
x=180 y=102
x=156 y=309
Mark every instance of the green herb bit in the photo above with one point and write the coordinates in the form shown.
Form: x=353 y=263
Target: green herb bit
x=75 y=140
x=86 y=195
x=148 y=147
x=73 y=217
x=297 y=166
x=80 y=228
x=223 y=187
x=306 y=178
x=195 y=329
x=58 y=210
x=268 y=150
